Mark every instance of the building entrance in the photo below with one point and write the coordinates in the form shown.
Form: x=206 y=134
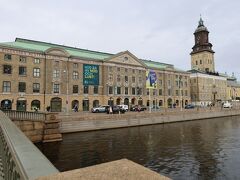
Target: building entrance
x=56 y=104
x=85 y=104
x=21 y=105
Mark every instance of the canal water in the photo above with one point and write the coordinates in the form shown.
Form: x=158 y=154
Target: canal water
x=204 y=149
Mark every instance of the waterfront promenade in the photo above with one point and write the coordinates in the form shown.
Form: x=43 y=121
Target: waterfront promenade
x=86 y=121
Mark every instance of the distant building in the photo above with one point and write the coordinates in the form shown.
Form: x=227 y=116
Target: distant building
x=207 y=86
x=58 y=78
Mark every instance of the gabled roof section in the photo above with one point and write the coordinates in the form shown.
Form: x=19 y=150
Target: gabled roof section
x=125 y=57
x=39 y=46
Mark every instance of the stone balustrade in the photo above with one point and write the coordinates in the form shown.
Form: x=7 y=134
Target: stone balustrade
x=19 y=158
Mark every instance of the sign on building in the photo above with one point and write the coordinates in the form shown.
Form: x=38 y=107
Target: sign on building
x=151 y=79
x=90 y=74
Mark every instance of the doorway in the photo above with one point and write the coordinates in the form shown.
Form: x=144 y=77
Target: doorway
x=21 y=105
x=85 y=104
x=56 y=104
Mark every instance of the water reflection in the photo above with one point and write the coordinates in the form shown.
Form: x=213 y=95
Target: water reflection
x=207 y=149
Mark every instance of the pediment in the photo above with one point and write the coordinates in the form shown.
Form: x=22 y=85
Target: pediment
x=57 y=52
x=126 y=58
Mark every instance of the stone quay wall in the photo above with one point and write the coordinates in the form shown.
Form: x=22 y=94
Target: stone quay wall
x=78 y=123
x=46 y=130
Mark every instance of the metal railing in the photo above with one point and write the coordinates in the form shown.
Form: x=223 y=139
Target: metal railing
x=19 y=158
x=25 y=115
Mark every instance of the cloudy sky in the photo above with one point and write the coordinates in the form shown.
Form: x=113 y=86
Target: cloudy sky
x=157 y=30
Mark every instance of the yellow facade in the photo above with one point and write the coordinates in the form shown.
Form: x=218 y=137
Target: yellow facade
x=122 y=80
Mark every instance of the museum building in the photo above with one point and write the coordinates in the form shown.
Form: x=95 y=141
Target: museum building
x=39 y=75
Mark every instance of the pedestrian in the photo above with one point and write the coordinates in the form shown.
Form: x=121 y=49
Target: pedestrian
x=75 y=108
x=110 y=110
x=138 y=108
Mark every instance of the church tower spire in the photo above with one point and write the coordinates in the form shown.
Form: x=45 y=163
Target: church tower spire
x=202 y=55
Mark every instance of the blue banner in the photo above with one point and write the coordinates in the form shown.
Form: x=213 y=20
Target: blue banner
x=90 y=74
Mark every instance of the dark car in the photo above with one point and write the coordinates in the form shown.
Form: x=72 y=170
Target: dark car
x=116 y=110
x=137 y=108
x=189 y=106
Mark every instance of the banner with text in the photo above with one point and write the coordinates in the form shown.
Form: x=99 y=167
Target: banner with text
x=90 y=74
x=151 y=79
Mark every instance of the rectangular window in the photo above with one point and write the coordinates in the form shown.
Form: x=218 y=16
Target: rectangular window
x=118 y=78
x=186 y=83
x=75 y=65
x=56 y=73
x=133 y=91
x=133 y=79
x=176 y=83
x=126 y=70
x=154 y=92
x=56 y=63
x=7 y=57
x=139 y=91
x=118 y=69
x=75 y=75
x=22 y=70
x=139 y=71
x=56 y=88
x=21 y=87
x=110 y=90
x=7 y=69
x=126 y=79
x=140 y=80
x=177 y=93
x=118 y=90
x=36 y=61
x=126 y=90
x=160 y=82
x=22 y=59
x=95 y=90
x=110 y=69
x=169 y=82
x=186 y=93
x=75 y=89
x=36 y=87
x=133 y=71
x=6 y=86
x=148 y=91
x=160 y=92
x=110 y=77
x=36 y=72
x=85 y=89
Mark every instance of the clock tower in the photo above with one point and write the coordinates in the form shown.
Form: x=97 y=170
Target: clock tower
x=202 y=55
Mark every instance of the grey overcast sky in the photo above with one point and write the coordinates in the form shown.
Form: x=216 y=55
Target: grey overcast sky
x=158 y=30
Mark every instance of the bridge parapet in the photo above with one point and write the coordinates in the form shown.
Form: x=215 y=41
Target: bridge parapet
x=19 y=158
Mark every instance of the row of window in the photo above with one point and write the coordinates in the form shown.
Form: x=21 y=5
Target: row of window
x=22 y=59
x=200 y=62
x=112 y=69
x=21 y=87
x=36 y=88
x=22 y=70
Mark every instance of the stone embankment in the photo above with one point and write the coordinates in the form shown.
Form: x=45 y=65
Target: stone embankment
x=87 y=122
x=45 y=130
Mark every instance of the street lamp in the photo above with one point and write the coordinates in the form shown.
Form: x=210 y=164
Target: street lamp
x=180 y=90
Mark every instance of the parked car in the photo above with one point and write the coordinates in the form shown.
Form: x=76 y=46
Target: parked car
x=123 y=106
x=116 y=110
x=136 y=107
x=189 y=106
x=227 y=105
x=100 y=109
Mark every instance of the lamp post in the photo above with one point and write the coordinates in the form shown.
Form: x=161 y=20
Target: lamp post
x=180 y=90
